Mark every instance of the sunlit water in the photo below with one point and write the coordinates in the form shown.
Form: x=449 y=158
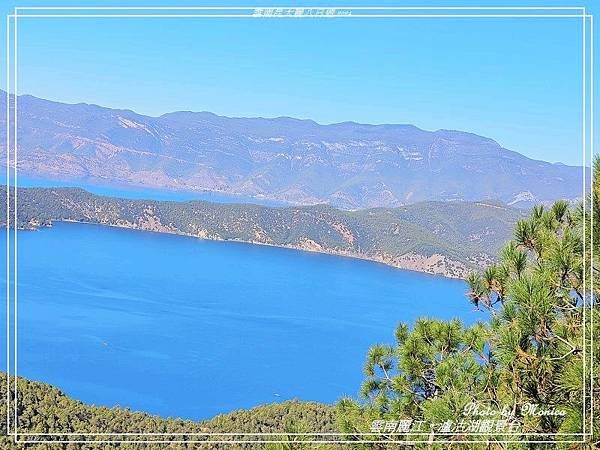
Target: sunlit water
x=184 y=327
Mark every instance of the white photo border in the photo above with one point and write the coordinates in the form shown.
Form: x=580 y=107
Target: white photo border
x=322 y=12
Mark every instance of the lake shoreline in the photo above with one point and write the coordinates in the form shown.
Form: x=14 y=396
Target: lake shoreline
x=432 y=265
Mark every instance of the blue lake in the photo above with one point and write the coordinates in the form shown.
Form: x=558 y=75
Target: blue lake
x=138 y=192
x=184 y=327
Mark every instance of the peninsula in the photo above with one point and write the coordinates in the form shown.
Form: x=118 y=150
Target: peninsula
x=446 y=238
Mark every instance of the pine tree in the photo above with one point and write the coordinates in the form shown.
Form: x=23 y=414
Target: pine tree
x=532 y=349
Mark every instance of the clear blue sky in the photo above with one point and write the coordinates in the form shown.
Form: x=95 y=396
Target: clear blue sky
x=517 y=81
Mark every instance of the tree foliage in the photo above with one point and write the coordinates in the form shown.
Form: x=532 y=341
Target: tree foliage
x=532 y=348
x=45 y=409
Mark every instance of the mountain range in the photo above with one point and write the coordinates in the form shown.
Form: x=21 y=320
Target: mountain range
x=348 y=165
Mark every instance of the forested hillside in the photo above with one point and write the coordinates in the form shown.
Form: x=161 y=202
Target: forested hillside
x=437 y=237
x=45 y=409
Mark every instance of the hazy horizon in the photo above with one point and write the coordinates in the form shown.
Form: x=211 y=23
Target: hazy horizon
x=516 y=81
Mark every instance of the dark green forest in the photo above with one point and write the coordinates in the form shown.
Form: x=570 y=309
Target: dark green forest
x=45 y=409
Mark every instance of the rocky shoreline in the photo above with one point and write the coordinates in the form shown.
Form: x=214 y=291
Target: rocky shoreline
x=447 y=239
x=435 y=264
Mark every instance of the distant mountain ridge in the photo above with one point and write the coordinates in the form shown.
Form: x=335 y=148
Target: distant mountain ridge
x=348 y=165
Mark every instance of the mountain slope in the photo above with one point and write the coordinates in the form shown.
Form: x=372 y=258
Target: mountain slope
x=446 y=238
x=349 y=165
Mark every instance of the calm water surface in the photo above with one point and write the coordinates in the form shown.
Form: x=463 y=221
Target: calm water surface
x=183 y=327
x=137 y=192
